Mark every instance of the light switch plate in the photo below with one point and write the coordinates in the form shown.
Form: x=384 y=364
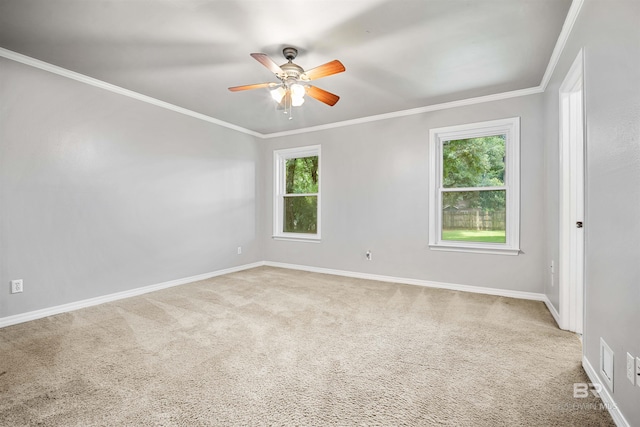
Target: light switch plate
x=631 y=369
x=606 y=364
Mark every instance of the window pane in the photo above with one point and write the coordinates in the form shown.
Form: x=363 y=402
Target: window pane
x=474 y=216
x=301 y=175
x=300 y=214
x=473 y=162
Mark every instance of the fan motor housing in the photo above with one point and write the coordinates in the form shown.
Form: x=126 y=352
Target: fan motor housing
x=292 y=70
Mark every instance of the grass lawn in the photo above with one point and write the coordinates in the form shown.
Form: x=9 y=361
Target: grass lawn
x=494 y=236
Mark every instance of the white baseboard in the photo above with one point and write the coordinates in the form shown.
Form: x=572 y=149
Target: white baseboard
x=608 y=401
x=553 y=311
x=38 y=314
x=418 y=282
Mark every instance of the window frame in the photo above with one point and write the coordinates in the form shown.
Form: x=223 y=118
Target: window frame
x=509 y=127
x=279 y=192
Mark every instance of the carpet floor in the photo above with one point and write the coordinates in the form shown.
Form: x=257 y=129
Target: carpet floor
x=270 y=346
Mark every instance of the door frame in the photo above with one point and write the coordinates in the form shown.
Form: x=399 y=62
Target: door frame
x=572 y=197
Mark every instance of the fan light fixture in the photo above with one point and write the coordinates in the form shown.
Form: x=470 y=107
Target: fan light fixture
x=296 y=92
x=289 y=96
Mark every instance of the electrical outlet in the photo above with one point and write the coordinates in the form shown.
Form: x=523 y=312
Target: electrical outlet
x=631 y=369
x=16 y=286
x=239 y=250
x=638 y=371
x=368 y=255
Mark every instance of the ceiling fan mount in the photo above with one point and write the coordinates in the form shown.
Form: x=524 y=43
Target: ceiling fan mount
x=291 y=74
x=290 y=53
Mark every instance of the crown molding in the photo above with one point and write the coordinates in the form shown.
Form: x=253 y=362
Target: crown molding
x=411 y=112
x=36 y=63
x=567 y=27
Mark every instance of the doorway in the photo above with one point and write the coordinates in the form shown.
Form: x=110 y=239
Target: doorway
x=572 y=178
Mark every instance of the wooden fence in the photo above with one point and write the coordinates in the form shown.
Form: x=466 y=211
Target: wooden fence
x=473 y=219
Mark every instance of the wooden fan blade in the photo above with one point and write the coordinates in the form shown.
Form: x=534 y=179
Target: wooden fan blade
x=254 y=86
x=328 y=69
x=264 y=59
x=322 y=95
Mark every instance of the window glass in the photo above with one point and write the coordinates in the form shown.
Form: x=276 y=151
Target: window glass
x=301 y=175
x=474 y=216
x=300 y=214
x=473 y=162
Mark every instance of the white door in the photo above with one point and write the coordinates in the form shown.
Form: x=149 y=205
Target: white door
x=572 y=160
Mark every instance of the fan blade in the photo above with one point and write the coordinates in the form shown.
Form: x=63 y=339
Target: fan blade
x=322 y=95
x=328 y=69
x=264 y=59
x=254 y=86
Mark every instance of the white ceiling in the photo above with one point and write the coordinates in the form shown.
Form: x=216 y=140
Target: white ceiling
x=399 y=54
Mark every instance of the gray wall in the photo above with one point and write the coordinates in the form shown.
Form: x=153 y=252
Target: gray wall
x=101 y=193
x=610 y=35
x=375 y=197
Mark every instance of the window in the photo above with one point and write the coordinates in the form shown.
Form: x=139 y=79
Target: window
x=297 y=193
x=474 y=193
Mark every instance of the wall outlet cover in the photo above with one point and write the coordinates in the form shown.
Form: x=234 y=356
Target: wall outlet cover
x=16 y=286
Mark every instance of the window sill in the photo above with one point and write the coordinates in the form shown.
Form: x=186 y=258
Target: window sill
x=297 y=239
x=494 y=250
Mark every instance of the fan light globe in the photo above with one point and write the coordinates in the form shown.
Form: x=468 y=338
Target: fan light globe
x=297 y=91
x=278 y=93
x=297 y=95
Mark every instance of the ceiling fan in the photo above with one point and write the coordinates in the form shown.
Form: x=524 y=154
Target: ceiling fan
x=294 y=80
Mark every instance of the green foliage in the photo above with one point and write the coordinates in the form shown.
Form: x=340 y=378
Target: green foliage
x=491 y=236
x=302 y=175
x=301 y=212
x=474 y=162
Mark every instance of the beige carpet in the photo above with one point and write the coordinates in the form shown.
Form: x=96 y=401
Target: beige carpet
x=276 y=347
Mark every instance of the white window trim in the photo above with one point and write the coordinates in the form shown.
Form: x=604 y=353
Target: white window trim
x=279 y=158
x=509 y=127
